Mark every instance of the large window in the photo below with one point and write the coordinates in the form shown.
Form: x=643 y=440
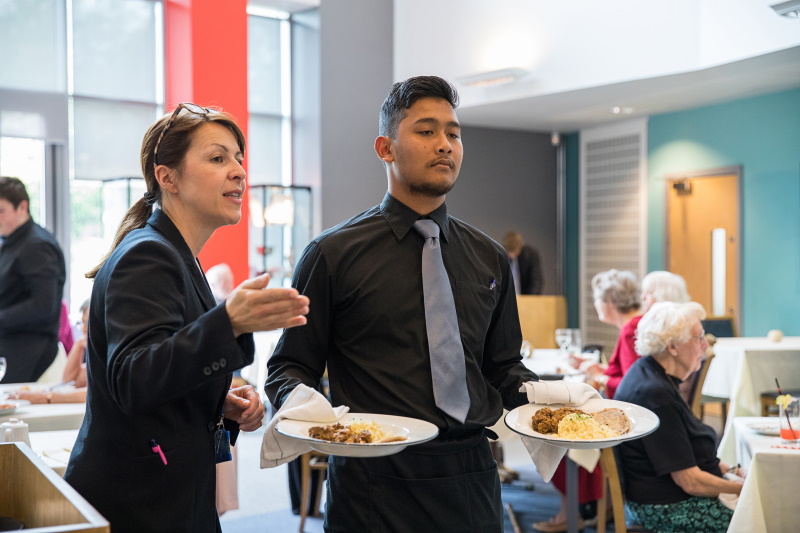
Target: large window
x=84 y=81
x=116 y=91
x=279 y=225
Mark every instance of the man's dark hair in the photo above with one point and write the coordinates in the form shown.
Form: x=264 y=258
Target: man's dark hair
x=405 y=93
x=13 y=190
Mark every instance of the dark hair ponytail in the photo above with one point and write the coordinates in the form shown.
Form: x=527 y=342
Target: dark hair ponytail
x=135 y=218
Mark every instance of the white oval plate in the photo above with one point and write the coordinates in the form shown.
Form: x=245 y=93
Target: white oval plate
x=416 y=432
x=643 y=422
x=766 y=428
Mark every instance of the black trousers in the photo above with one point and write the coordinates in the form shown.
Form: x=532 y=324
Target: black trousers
x=416 y=491
x=28 y=356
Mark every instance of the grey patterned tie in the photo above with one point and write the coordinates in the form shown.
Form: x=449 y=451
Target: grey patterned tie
x=444 y=340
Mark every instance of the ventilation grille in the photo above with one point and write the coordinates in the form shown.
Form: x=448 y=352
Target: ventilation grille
x=613 y=215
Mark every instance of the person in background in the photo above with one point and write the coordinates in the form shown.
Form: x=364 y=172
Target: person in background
x=525 y=265
x=32 y=275
x=673 y=476
x=367 y=325
x=74 y=372
x=65 y=335
x=220 y=280
x=160 y=411
x=617 y=302
x=663 y=286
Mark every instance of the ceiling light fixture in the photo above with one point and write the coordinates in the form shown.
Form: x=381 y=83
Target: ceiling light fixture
x=494 y=77
x=618 y=110
x=787 y=9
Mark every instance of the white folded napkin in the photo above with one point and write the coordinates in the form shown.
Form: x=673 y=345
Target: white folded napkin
x=304 y=403
x=544 y=455
x=566 y=392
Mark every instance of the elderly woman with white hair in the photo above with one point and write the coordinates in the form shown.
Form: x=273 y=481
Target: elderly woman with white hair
x=663 y=286
x=673 y=475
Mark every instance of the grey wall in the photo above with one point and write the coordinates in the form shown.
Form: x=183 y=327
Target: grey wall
x=508 y=183
x=356 y=74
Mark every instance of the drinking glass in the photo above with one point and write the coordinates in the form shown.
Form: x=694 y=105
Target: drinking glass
x=790 y=421
x=563 y=338
x=575 y=346
x=3 y=365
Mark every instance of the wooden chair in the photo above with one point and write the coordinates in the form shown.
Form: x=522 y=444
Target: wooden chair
x=612 y=488
x=311 y=461
x=768 y=405
x=697 y=389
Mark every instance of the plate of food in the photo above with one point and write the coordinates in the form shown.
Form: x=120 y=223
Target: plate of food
x=7 y=407
x=361 y=434
x=771 y=429
x=598 y=423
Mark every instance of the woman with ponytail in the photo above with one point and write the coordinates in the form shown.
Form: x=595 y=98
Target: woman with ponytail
x=161 y=352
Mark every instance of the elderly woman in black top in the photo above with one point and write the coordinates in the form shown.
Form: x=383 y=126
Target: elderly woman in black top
x=673 y=475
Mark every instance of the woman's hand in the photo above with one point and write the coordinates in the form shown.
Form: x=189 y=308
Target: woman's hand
x=33 y=397
x=699 y=483
x=252 y=307
x=244 y=406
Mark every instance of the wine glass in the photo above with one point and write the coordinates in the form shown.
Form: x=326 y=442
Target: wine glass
x=3 y=366
x=563 y=339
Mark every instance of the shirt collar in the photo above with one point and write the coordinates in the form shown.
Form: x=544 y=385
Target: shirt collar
x=401 y=218
x=17 y=234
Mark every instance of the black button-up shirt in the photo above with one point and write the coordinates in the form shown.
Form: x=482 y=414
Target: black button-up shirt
x=367 y=320
x=32 y=275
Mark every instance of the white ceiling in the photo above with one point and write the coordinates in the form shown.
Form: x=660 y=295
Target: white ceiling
x=573 y=110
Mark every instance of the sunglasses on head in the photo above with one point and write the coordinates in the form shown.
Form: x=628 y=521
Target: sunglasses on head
x=188 y=106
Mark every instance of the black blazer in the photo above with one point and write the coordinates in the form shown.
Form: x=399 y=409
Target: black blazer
x=160 y=357
x=530 y=271
x=32 y=275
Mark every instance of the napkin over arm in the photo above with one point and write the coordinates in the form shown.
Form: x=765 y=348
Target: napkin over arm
x=303 y=403
x=544 y=455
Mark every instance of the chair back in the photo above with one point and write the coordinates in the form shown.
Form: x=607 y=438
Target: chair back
x=612 y=488
x=719 y=326
x=696 y=395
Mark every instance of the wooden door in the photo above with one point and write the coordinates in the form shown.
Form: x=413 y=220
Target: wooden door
x=703 y=216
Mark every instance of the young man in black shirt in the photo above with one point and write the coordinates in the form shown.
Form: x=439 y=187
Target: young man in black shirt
x=32 y=275
x=367 y=326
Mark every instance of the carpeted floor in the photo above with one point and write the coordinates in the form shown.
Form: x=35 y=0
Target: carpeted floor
x=530 y=498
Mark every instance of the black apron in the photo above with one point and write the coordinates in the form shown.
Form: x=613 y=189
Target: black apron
x=447 y=486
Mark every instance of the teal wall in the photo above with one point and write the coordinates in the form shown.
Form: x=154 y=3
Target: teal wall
x=762 y=134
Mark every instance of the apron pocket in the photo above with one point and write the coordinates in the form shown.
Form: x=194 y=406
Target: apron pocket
x=457 y=504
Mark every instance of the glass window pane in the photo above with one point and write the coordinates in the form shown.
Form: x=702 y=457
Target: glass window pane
x=97 y=209
x=24 y=159
x=264 y=150
x=108 y=137
x=264 y=65
x=35 y=31
x=115 y=49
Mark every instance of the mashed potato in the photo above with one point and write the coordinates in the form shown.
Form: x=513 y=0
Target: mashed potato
x=358 y=425
x=583 y=426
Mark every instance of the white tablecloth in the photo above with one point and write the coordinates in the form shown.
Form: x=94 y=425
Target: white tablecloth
x=769 y=497
x=54 y=447
x=742 y=369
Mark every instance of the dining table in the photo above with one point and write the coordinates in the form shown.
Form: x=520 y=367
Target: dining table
x=768 y=501
x=54 y=447
x=45 y=416
x=742 y=369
